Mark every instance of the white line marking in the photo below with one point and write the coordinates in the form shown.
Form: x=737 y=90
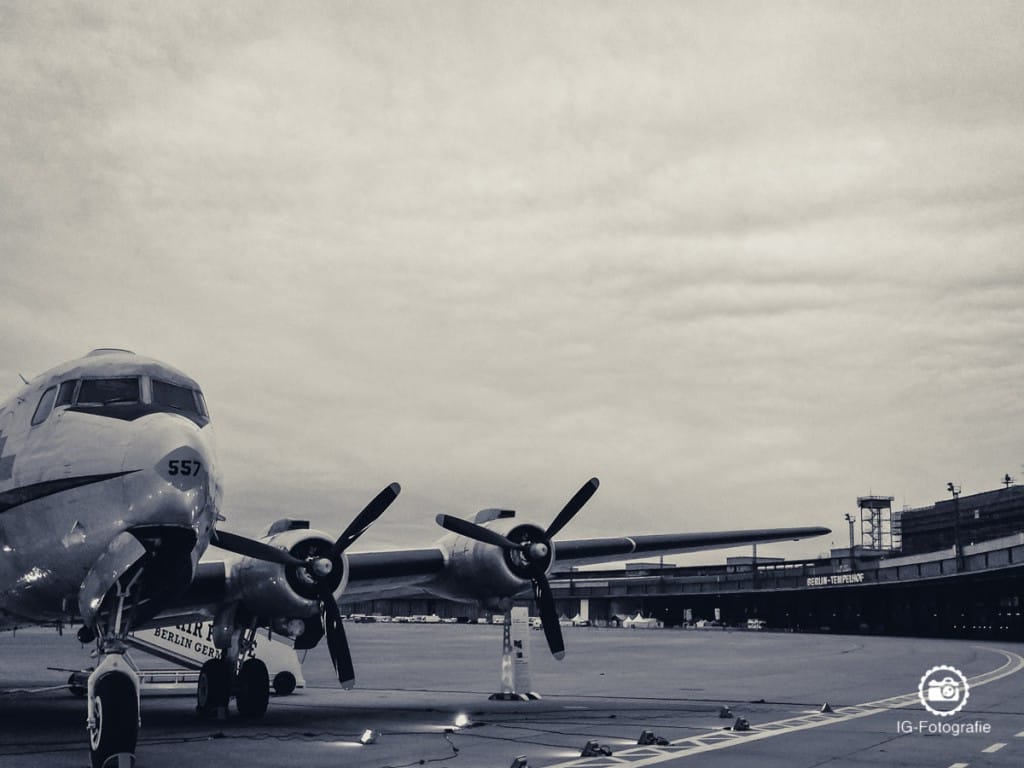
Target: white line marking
x=713 y=740
x=994 y=748
x=959 y=765
x=1020 y=735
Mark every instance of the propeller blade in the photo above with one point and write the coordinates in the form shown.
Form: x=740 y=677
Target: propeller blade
x=575 y=505
x=337 y=644
x=475 y=532
x=365 y=519
x=548 y=615
x=257 y=550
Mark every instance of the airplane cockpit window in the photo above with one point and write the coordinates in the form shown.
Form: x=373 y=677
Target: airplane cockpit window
x=132 y=397
x=108 y=391
x=44 y=407
x=173 y=396
x=202 y=404
x=66 y=394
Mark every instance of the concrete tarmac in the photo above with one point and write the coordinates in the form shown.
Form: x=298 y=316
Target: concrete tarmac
x=612 y=685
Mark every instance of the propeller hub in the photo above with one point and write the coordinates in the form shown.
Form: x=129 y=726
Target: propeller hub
x=538 y=551
x=532 y=552
x=318 y=571
x=321 y=567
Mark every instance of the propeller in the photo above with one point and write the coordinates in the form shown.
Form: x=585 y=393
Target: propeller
x=533 y=556
x=337 y=642
x=257 y=550
x=318 y=573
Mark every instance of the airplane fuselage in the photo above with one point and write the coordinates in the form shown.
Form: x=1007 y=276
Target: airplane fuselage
x=109 y=443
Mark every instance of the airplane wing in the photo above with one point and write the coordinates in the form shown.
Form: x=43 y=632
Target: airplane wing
x=410 y=572
x=589 y=551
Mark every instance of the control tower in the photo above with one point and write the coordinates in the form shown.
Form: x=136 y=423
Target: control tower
x=876 y=523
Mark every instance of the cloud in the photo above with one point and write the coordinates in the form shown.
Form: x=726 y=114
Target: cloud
x=741 y=263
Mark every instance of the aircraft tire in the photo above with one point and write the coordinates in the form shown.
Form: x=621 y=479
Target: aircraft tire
x=253 y=692
x=116 y=710
x=284 y=683
x=214 y=687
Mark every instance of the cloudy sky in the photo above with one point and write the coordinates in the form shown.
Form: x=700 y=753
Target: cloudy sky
x=742 y=261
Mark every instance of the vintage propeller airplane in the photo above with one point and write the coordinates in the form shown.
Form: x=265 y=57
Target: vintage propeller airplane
x=110 y=493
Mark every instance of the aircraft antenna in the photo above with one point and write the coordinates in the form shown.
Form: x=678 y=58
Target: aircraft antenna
x=22 y=378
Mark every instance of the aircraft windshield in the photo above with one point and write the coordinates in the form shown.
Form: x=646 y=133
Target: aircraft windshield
x=131 y=397
x=173 y=396
x=108 y=391
x=67 y=393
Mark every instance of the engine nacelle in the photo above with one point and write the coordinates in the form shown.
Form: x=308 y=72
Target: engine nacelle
x=481 y=572
x=273 y=591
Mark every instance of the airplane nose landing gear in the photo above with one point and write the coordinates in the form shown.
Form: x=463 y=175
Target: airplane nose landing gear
x=113 y=688
x=113 y=696
x=113 y=721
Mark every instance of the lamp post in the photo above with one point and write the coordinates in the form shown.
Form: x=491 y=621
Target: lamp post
x=849 y=519
x=955 y=490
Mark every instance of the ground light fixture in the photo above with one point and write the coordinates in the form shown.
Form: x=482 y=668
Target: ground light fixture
x=369 y=736
x=593 y=749
x=520 y=762
x=648 y=738
x=462 y=720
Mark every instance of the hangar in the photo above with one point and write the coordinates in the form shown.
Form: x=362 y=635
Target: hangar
x=952 y=569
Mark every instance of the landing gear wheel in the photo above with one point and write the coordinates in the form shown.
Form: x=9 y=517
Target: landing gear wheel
x=253 y=691
x=214 y=687
x=284 y=683
x=116 y=712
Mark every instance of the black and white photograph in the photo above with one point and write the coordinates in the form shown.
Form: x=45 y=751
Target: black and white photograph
x=531 y=384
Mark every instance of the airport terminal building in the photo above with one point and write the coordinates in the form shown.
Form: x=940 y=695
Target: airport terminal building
x=953 y=569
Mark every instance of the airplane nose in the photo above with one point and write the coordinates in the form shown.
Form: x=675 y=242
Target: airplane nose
x=171 y=476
